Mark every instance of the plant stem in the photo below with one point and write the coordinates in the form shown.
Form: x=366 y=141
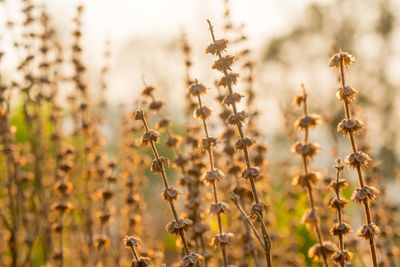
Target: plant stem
x=359 y=172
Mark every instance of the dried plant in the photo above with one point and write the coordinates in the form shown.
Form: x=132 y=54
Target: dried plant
x=132 y=243
x=223 y=64
x=342 y=256
x=179 y=225
x=73 y=185
x=357 y=159
x=306 y=151
x=213 y=175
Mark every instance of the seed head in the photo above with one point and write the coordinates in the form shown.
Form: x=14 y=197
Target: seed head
x=224 y=239
x=224 y=63
x=342 y=256
x=202 y=112
x=150 y=136
x=340 y=229
x=191 y=260
x=158 y=165
x=346 y=93
x=309 y=121
x=358 y=159
x=336 y=58
x=229 y=80
x=347 y=126
x=368 y=231
x=197 y=89
x=310 y=218
x=218 y=46
x=361 y=194
x=317 y=251
x=175 y=227
x=218 y=208
x=251 y=173
x=170 y=194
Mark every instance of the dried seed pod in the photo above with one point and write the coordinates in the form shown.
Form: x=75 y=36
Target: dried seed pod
x=158 y=165
x=141 y=262
x=340 y=229
x=350 y=125
x=208 y=142
x=308 y=121
x=342 y=183
x=317 y=251
x=243 y=143
x=368 y=231
x=256 y=210
x=337 y=203
x=218 y=208
x=173 y=141
x=358 y=159
x=304 y=180
x=224 y=239
x=232 y=98
x=214 y=175
x=309 y=149
x=347 y=93
x=150 y=136
x=170 y=194
x=229 y=80
x=101 y=241
x=238 y=118
x=191 y=260
x=251 y=173
x=342 y=256
x=197 y=89
x=156 y=105
x=138 y=115
x=218 y=46
x=361 y=194
x=163 y=123
x=310 y=217
x=224 y=63
x=203 y=112
x=148 y=91
x=62 y=206
x=175 y=227
x=336 y=58
x=131 y=241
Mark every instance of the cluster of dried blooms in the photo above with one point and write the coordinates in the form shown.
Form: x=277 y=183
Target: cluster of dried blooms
x=67 y=200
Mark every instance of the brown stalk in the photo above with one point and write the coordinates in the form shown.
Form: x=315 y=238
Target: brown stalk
x=212 y=168
x=166 y=185
x=265 y=234
x=358 y=167
x=309 y=188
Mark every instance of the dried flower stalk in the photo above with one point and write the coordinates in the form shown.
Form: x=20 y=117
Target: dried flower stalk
x=357 y=159
x=170 y=194
x=342 y=255
x=307 y=150
x=214 y=175
x=223 y=64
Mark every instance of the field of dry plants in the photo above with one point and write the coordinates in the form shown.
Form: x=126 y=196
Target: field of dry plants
x=221 y=179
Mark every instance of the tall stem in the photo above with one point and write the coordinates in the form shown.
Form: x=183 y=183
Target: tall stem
x=359 y=172
x=265 y=235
